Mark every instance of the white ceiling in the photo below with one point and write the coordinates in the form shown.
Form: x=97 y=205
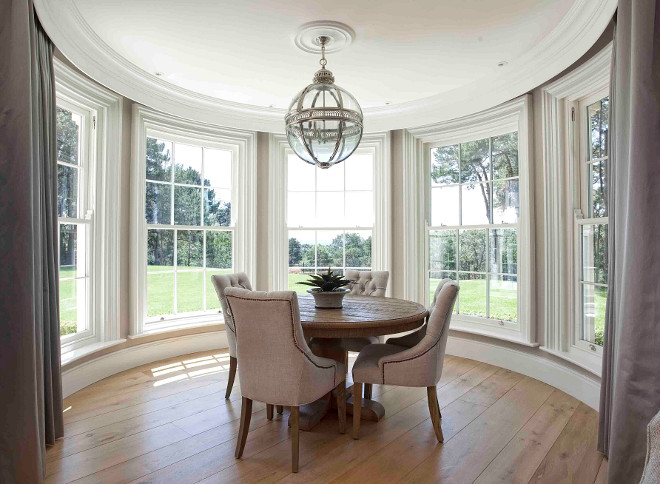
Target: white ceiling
x=234 y=63
x=242 y=51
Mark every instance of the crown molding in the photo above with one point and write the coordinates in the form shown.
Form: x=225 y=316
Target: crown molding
x=565 y=44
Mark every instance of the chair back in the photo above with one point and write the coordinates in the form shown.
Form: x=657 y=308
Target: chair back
x=275 y=364
x=368 y=283
x=437 y=292
x=437 y=328
x=220 y=283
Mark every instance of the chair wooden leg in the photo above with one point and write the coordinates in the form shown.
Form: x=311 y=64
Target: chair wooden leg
x=246 y=415
x=269 y=411
x=434 y=409
x=232 y=374
x=357 y=409
x=295 y=435
x=280 y=409
x=367 y=391
x=341 y=406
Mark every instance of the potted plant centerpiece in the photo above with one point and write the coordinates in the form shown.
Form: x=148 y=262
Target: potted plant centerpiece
x=328 y=289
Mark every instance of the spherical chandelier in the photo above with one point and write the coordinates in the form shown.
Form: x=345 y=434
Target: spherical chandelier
x=324 y=121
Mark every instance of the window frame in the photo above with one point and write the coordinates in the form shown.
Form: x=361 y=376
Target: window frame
x=376 y=144
x=102 y=192
x=582 y=214
x=506 y=118
x=563 y=207
x=150 y=123
x=476 y=320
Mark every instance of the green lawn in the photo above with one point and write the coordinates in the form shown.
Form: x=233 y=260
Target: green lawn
x=160 y=296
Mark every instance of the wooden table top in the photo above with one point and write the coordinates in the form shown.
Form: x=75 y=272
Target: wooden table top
x=360 y=316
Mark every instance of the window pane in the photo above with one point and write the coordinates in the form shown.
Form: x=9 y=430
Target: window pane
x=219 y=249
x=476 y=204
x=597 y=114
x=442 y=250
x=189 y=248
x=160 y=250
x=434 y=279
x=444 y=165
x=301 y=176
x=73 y=298
x=217 y=168
x=503 y=293
x=475 y=161
x=358 y=248
x=444 y=206
x=330 y=249
x=68 y=136
x=472 y=248
x=593 y=304
x=330 y=179
x=359 y=209
x=359 y=172
x=160 y=294
x=505 y=156
x=187 y=205
x=594 y=253
x=598 y=193
x=301 y=248
x=189 y=291
x=187 y=164
x=504 y=251
x=69 y=252
x=506 y=202
x=159 y=160
x=472 y=296
x=301 y=209
x=67 y=191
x=158 y=203
x=217 y=207
x=296 y=276
x=330 y=209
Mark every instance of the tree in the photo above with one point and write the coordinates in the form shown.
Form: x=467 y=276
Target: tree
x=67 y=151
x=295 y=252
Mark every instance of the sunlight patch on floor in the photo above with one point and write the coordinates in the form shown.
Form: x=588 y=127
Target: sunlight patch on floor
x=183 y=370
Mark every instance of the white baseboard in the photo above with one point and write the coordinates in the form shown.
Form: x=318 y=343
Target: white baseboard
x=557 y=375
x=104 y=366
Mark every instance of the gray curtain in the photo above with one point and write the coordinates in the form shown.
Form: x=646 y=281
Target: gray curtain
x=630 y=391
x=30 y=379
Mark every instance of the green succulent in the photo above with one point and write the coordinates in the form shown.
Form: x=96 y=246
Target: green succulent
x=327 y=282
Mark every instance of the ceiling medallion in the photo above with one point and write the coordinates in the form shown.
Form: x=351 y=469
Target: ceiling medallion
x=324 y=121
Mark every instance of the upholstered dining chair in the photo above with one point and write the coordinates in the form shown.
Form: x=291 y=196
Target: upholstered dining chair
x=221 y=282
x=276 y=364
x=418 y=363
x=367 y=283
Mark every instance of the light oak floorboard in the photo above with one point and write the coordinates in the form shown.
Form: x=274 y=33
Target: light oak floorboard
x=169 y=422
x=518 y=461
x=573 y=457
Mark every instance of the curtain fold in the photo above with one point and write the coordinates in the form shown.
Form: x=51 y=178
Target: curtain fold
x=30 y=387
x=630 y=390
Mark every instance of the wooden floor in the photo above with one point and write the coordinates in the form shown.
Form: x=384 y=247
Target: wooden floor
x=169 y=422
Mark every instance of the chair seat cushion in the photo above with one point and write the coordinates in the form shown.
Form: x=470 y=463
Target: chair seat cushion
x=357 y=344
x=365 y=369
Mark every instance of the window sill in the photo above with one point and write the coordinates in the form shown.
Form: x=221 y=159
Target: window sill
x=590 y=363
x=74 y=355
x=198 y=326
x=513 y=338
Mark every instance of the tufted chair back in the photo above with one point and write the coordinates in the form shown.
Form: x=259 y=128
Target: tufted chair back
x=368 y=283
x=222 y=282
x=276 y=364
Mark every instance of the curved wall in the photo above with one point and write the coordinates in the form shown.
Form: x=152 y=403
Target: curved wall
x=532 y=362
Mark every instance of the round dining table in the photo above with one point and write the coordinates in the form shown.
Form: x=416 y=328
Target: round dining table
x=360 y=316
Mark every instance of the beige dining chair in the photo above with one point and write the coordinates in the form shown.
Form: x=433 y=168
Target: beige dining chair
x=367 y=283
x=221 y=282
x=418 y=363
x=276 y=364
